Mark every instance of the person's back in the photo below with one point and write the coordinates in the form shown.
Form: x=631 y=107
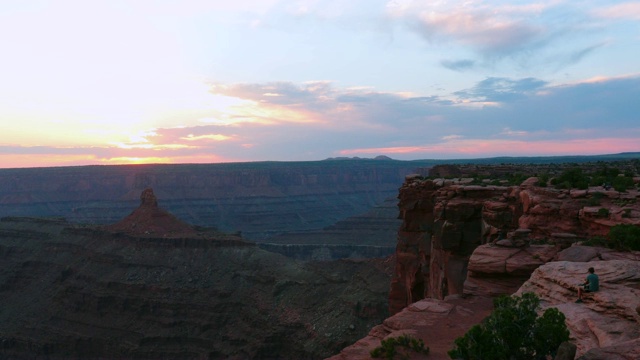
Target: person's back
x=594 y=282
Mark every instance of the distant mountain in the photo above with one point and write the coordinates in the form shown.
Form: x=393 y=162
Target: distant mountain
x=379 y=157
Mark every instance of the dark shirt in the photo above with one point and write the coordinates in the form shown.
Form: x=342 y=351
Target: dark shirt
x=593 y=282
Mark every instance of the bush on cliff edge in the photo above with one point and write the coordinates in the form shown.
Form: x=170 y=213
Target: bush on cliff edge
x=625 y=237
x=514 y=331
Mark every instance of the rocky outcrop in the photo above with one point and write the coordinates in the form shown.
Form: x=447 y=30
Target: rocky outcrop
x=150 y=220
x=496 y=270
x=438 y=322
x=607 y=324
x=445 y=220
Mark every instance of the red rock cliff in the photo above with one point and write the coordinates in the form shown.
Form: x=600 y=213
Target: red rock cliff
x=444 y=221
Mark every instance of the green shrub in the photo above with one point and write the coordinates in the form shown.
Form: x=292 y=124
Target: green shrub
x=622 y=183
x=564 y=185
x=571 y=178
x=389 y=347
x=517 y=178
x=597 y=241
x=543 y=179
x=604 y=175
x=603 y=212
x=594 y=200
x=625 y=237
x=514 y=331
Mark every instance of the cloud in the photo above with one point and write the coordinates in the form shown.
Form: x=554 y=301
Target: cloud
x=458 y=65
x=502 y=89
x=626 y=11
x=577 y=55
x=542 y=36
x=507 y=131
x=535 y=118
x=478 y=30
x=452 y=137
x=321 y=104
x=214 y=137
x=531 y=110
x=478 y=148
x=490 y=30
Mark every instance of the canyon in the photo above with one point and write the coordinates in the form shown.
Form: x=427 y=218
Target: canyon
x=153 y=286
x=259 y=200
x=465 y=240
x=82 y=274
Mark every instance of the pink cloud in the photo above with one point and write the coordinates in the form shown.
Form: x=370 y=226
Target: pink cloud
x=487 y=148
x=480 y=30
x=629 y=10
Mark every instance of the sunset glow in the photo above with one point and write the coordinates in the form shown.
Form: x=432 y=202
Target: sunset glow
x=105 y=82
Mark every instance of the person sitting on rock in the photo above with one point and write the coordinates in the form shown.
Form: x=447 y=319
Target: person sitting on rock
x=591 y=284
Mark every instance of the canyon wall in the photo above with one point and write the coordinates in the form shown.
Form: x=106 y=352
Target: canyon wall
x=444 y=221
x=258 y=199
x=77 y=291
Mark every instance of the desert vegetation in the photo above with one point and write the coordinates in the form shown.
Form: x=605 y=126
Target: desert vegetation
x=514 y=331
x=399 y=348
x=617 y=175
x=609 y=177
x=621 y=237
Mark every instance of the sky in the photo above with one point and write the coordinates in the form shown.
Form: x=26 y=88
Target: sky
x=126 y=82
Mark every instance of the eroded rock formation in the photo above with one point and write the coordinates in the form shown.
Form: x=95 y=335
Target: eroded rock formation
x=445 y=220
x=150 y=220
x=606 y=325
x=462 y=244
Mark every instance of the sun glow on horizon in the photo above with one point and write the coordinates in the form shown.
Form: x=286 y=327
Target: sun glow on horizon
x=105 y=82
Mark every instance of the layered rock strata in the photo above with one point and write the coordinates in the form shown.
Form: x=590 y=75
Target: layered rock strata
x=259 y=199
x=444 y=221
x=607 y=324
x=163 y=290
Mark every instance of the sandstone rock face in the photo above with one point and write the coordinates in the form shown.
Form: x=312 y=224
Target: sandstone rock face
x=496 y=270
x=437 y=322
x=442 y=225
x=606 y=325
x=445 y=220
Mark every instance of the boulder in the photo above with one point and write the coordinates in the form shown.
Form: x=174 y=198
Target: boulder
x=566 y=351
x=579 y=253
x=607 y=319
x=495 y=270
x=623 y=351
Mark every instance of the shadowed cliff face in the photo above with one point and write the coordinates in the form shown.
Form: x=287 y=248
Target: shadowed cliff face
x=258 y=199
x=444 y=221
x=164 y=290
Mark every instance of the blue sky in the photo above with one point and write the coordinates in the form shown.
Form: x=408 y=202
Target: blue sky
x=110 y=82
